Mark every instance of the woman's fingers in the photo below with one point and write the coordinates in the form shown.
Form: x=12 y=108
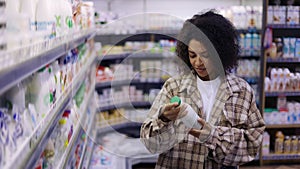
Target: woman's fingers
x=201 y=121
x=195 y=133
x=170 y=106
x=182 y=113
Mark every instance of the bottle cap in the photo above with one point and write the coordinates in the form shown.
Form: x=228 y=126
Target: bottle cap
x=175 y=99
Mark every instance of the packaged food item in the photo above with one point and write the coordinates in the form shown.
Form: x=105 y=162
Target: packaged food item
x=279 y=16
x=292 y=17
x=294 y=145
x=279 y=46
x=270 y=15
x=286 y=47
x=292 y=47
x=298 y=144
x=287 y=145
x=279 y=142
x=190 y=119
x=266 y=143
x=297 y=48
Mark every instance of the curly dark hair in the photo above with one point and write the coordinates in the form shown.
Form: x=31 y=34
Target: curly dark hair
x=216 y=30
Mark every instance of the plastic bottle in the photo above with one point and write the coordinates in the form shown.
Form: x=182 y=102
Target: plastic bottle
x=45 y=18
x=287 y=145
x=297 y=48
x=266 y=143
x=28 y=7
x=294 y=145
x=190 y=119
x=248 y=44
x=298 y=145
x=67 y=14
x=279 y=142
x=57 y=14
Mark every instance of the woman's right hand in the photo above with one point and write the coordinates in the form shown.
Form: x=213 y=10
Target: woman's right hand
x=172 y=111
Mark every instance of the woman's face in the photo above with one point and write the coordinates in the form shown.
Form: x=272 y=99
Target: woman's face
x=200 y=60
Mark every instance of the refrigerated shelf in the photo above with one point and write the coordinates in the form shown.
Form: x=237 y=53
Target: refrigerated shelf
x=13 y=75
x=282 y=126
x=77 y=130
x=30 y=151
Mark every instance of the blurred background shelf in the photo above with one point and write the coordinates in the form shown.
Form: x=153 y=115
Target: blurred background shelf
x=282 y=126
x=137 y=82
x=137 y=104
x=283 y=60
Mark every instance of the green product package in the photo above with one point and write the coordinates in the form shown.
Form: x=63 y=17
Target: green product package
x=175 y=99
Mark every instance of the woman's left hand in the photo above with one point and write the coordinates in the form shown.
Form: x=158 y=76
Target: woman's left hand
x=196 y=132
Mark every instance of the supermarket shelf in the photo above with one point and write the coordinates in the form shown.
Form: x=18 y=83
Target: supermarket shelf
x=78 y=129
x=249 y=30
x=89 y=155
x=83 y=152
x=283 y=26
x=122 y=125
x=141 y=104
x=113 y=56
x=281 y=157
x=249 y=57
x=282 y=126
x=132 y=55
x=87 y=139
x=130 y=161
x=163 y=32
x=146 y=35
x=114 y=83
x=275 y=94
x=12 y=76
x=283 y=60
x=90 y=148
x=54 y=117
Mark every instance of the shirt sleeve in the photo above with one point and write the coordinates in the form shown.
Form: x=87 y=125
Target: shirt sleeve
x=159 y=136
x=238 y=144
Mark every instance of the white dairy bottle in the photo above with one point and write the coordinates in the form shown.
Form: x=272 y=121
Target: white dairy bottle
x=45 y=20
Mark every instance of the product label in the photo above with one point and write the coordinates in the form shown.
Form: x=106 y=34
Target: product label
x=43 y=26
x=33 y=26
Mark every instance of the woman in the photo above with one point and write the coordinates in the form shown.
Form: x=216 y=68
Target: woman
x=232 y=126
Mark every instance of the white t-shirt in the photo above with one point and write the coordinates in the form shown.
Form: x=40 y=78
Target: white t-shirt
x=208 y=91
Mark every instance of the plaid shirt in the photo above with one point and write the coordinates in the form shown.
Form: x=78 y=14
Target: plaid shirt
x=231 y=137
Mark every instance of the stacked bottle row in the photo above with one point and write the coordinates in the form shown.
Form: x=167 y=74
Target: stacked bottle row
x=280 y=14
x=150 y=71
x=125 y=95
x=29 y=103
x=286 y=112
x=281 y=79
x=250 y=44
x=281 y=47
x=283 y=144
x=33 y=27
x=248 y=68
x=163 y=46
x=243 y=17
x=63 y=136
x=136 y=23
x=117 y=116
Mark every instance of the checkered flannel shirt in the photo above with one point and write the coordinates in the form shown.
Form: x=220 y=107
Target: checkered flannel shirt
x=231 y=137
